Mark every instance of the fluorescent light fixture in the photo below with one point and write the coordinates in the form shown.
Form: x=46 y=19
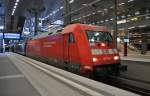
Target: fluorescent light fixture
x=147 y=17
x=1 y=27
x=106 y=20
x=111 y=19
x=61 y=7
x=16 y=4
x=17 y=1
x=129 y=15
x=102 y=21
x=137 y=13
x=71 y=1
x=105 y=9
x=130 y=0
x=112 y=7
x=99 y=11
x=15 y=7
x=93 y=13
x=123 y=16
x=54 y=12
x=141 y=26
x=122 y=21
x=121 y=4
x=131 y=27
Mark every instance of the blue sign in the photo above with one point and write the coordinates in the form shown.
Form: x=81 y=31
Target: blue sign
x=11 y=36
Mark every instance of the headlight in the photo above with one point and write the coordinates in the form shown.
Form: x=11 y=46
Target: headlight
x=103 y=44
x=116 y=57
x=95 y=59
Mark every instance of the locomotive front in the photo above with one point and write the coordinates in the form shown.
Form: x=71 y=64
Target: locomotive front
x=104 y=53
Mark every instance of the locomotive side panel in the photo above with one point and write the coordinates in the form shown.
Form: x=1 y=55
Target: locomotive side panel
x=52 y=49
x=33 y=48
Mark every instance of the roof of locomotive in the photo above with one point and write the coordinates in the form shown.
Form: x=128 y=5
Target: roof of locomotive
x=70 y=28
x=50 y=32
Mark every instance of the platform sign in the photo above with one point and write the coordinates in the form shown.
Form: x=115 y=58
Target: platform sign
x=11 y=36
x=126 y=40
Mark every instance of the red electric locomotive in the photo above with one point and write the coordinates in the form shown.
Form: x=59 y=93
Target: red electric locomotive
x=81 y=48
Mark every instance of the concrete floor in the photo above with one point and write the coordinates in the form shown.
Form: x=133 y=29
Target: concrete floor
x=12 y=81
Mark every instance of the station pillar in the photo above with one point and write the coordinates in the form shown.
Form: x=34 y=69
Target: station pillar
x=67 y=12
x=125 y=49
x=144 y=45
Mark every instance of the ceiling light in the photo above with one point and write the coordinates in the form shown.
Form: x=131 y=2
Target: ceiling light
x=147 y=17
x=129 y=15
x=102 y=21
x=61 y=7
x=15 y=7
x=123 y=16
x=1 y=27
x=17 y=0
x=16 y=4
x=71 y=1
x=141 y=26
x=130 y=0
x=137 y=13
x=105 y=9
x=111 y=19
x=106 y=20
x=99 y=11
x=93 y=13
x=131 y=27
x=121 y=4
x=112 y=7
x=54 y=12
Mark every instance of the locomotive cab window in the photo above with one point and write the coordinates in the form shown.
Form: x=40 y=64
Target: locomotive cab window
x=71 y=38
x=97 y=36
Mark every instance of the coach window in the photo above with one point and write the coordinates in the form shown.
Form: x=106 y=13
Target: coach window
x=71 y=38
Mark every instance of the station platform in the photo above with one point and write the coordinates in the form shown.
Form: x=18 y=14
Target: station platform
x=136 y=56
x=12 y=80
x=22 y=76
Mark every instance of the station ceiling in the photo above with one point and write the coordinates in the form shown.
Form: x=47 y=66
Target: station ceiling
x=22 y=11
x=83 y=10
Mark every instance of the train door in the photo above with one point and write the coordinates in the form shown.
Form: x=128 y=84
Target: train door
x=71 y=53
x=65 y=50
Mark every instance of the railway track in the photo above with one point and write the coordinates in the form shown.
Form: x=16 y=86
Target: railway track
x=135 y=86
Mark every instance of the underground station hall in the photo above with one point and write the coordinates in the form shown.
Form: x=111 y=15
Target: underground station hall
x=74 y=47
